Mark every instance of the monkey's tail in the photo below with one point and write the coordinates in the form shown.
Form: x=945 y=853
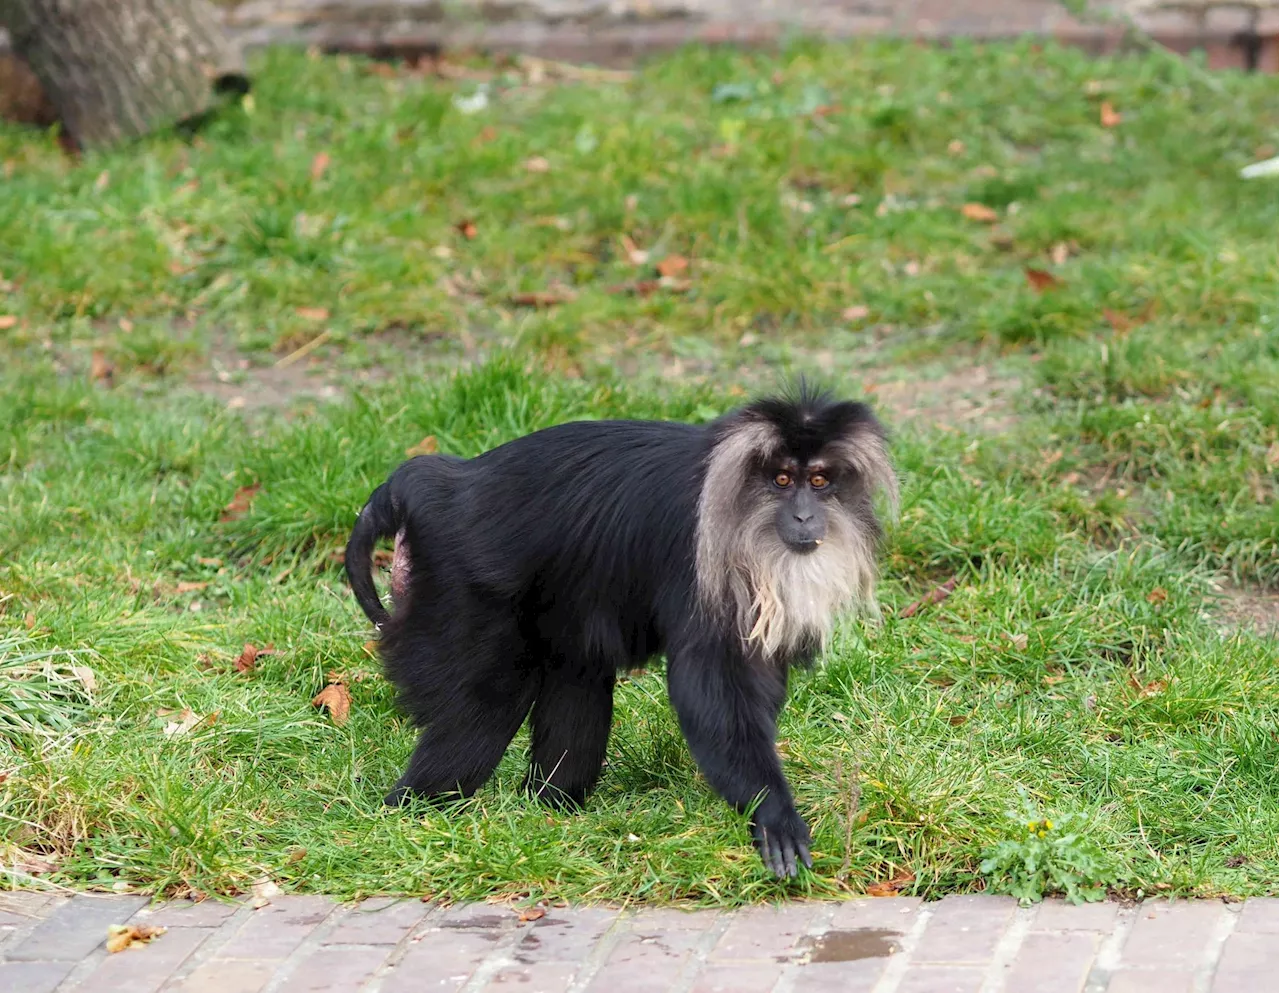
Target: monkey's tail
x=377 y=520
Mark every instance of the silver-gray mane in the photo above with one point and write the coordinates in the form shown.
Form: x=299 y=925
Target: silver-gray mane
x=779 y=599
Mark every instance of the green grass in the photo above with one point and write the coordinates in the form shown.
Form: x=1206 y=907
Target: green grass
x=1084 y=659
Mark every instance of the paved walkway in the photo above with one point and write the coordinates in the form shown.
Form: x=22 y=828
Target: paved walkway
x=965 y=944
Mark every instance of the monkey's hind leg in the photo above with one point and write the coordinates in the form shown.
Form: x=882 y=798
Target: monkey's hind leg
x=470 y=714
x=571 y=720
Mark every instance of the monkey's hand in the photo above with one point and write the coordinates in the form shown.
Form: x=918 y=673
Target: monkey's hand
x=781 y=837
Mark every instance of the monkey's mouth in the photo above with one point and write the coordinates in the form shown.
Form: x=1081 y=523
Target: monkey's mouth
x=805 y=547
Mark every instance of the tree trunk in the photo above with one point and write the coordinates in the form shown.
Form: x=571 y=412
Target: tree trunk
x=117 y=69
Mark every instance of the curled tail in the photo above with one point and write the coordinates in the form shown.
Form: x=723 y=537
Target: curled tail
x=377 y=520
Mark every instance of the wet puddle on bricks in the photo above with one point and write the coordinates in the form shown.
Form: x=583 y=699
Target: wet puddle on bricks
x=853 y=944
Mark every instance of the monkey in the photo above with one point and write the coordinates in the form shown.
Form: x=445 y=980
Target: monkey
x=524 y=579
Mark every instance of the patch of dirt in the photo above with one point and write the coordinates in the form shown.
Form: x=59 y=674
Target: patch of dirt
x=970 y=397
x=1252 y=609
x=239 y=384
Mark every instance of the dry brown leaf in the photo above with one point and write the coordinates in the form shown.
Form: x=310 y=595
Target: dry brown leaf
x=673 y=265
x=890 y=887
x=210 y=562
x=1120 y=323
x=1108 y=116
x=955 y=146
x=7 y=321
x=427 y=446
x=30 y=863
x=88 y=679
x=189 y=587
x=855 y=313
x=186 y=721
x=102 y=182
x=979 y=212
x=1040 y=280
x=370 y=648
x=936 y=595
x=383 y=558
x=528 y=914
x=263 y=890
x=29 y=621
x=122 y=936
x=1145 y=690
x=318 y=165
x=1002 y=239
x=1158 y=595
x=297 y=855
x=640 y=288
x=100 y=368
x=249 y=657
x=241 y=502
x=337 y=699
x=537 y=164
x=955 y=720
x=467 y=228
x=544 y=298
x=1060 y=253
x=312 y=313
x=1018 y=641
x=635 y=254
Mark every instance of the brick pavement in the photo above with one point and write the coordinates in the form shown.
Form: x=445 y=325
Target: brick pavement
x=961 y=944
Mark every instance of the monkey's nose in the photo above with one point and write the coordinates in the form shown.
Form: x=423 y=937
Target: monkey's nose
x=803 y=516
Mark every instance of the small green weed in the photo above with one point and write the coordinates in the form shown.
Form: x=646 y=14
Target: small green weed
x=1045 y=857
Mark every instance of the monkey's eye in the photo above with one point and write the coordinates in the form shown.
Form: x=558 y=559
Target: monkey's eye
x=819 y=481
x=782 y=480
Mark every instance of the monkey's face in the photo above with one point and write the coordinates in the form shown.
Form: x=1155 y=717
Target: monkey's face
x=802 y=494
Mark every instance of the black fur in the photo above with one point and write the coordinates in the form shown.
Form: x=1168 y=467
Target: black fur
x=540 y=569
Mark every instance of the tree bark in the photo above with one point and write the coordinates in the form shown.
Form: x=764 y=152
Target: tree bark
x=117 y=69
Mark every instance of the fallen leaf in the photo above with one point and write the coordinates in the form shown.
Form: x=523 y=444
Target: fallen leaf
x=29 y=621
x=186 y=721
x=211 y=563
x=1120 y=323
x=855 y=313
x=936 y=595
x=1060 y=253
x=1158 y=595
x=122 y=936
x=248 y=658
x=7 y=321
x=100 y=368
x=318 y=165
x=955 y=146
x=1018 y=641
x=29 y=863
x=979 y=212
x=427 y=446
x=544 y=298
x=241 y=502
x=297 y=855
x=370 y=648
x=537 y=164
x=188 y=587
x=86 y=676
x=1108 y=116
x=640 y=288
x=312 y=313
x=467 y=228
x=1145 y=690
x=635 y=254
x=102 y=182
x=382 y=559
x=528 y=914
x=673 y=265
x=337 y=699
x=1041 y=280
x=890 y=887
x=263 y=890
x=955 y=720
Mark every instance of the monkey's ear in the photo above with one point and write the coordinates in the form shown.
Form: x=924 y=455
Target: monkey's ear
x=865 y=447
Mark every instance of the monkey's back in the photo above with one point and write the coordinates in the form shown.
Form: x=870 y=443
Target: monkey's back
x=582 y=535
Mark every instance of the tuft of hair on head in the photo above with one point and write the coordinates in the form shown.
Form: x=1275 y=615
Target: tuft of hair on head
x=778 y=600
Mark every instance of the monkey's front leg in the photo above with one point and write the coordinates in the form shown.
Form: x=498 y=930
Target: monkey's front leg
x=728 y=710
